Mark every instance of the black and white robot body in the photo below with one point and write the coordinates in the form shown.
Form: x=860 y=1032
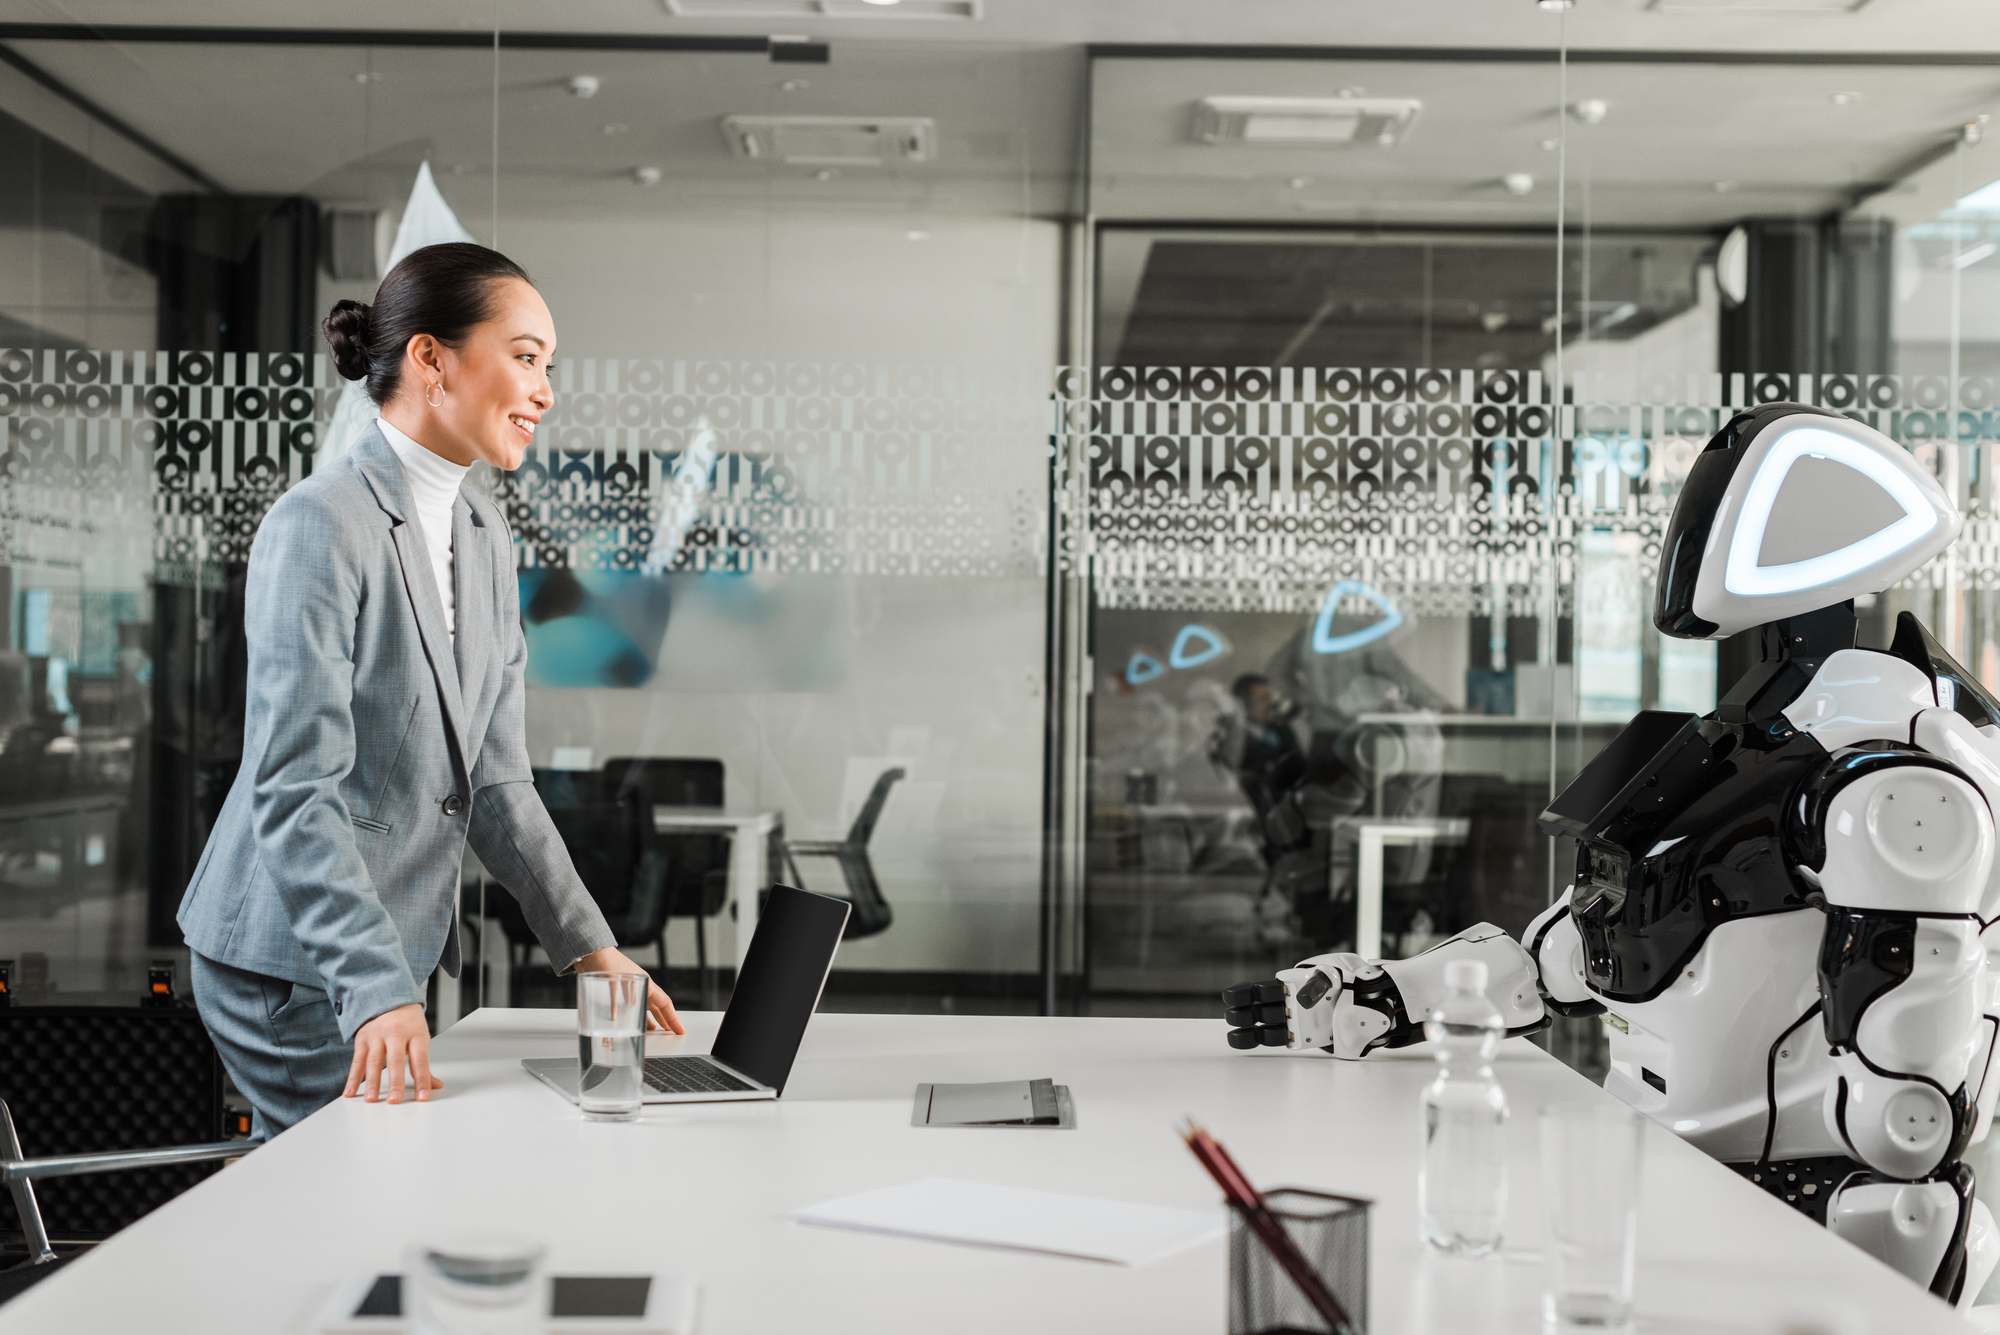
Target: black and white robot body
x=1781 y=908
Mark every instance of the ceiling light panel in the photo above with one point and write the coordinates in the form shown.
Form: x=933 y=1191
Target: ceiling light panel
x=1757 y=6
x=1303 y=122
x=824 y=9
x=831 y=141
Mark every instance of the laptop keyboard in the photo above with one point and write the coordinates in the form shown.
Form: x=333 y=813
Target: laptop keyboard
x=690 y=1075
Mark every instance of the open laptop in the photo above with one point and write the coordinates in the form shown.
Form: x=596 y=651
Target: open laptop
x=775 y=995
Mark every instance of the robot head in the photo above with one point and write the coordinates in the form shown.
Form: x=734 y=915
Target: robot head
x=1791 y=509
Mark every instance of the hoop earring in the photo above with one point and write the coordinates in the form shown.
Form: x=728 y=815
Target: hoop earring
x=439 y=387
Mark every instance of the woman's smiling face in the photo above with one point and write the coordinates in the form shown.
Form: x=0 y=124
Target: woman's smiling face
x=495 y=384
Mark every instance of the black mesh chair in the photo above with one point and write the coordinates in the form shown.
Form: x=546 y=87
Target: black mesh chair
x=697 y=864
x=609 y=839
x=102 y=1090
x=871 y=913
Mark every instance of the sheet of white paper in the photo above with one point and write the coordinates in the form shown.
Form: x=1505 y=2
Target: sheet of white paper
x=984 y=1215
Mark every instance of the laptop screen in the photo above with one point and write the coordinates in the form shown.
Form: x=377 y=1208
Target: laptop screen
x=776 y=993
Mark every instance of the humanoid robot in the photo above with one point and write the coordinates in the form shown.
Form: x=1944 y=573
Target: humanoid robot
x=1782 y=910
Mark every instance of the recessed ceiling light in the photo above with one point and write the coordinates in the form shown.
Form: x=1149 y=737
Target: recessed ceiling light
x=916 y=234
x=1723 y=187
x=1553 y=5
x=368 y=76
x=1300 y=182
x=880 y=2
x=646 y=176
x=1591 y=111
x=584 y=85
x=1844 y=99
x=794 y=86
x=1551 y=145
x=1518 y=183
x=825 y=174
x=610 y=130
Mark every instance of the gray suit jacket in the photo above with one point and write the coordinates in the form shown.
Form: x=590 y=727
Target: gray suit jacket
x=370 y=756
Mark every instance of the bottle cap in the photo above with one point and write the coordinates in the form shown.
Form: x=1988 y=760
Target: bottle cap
x=1465 y=975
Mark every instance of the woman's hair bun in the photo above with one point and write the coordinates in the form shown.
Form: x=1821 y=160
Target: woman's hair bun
x=346 y=328
x=442 y=291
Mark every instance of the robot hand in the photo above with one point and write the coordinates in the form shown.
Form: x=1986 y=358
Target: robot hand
x=1336 y=1002
x=1350 y=1006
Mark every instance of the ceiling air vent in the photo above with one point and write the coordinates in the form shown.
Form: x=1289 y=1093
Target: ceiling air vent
x=1304 y=122
x=823 y=9
x=1757 y=6
x=831 y=141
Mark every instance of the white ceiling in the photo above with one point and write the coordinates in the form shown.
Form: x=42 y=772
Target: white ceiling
x=1007 y=93
x=285 y=119
x=1774 y=133
x=1882 y=25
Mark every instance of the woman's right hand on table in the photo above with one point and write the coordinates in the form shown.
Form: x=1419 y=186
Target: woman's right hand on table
x=381 y=1048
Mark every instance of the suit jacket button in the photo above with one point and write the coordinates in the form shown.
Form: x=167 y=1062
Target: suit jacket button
x=452 y=805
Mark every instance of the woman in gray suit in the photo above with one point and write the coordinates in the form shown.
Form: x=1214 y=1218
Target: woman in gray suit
x=384 y=728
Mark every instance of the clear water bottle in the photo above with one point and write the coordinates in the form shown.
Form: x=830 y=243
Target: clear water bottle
x=1462 y=1184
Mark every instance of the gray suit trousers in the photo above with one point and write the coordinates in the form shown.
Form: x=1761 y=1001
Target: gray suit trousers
x=280 y=1042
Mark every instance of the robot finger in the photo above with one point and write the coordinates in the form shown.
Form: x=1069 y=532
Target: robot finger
x=1244 y=1017
x=1315 y=987
x=1243 y=994
x=1251 y=994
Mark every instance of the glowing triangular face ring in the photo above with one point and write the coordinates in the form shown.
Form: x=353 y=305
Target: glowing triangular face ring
x=1745 y=578
x=1142 y=669
x=1211 y=647
x=1326 y=642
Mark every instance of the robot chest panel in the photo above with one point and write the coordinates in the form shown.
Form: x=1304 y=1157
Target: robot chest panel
x=1644 y=914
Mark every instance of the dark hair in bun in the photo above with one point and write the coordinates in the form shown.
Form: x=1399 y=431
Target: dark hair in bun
x=442 y=291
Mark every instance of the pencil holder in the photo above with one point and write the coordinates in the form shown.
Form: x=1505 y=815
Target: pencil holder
x=1331 y=1232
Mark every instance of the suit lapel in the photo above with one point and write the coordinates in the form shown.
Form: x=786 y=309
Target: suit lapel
x=472 y=573
x=383 y=471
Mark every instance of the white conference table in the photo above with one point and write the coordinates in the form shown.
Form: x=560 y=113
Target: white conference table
x=707 y=1189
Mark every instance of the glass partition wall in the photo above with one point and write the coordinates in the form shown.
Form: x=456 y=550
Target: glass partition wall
x=1367 y=480
x=782 y=533
x=1157 y=535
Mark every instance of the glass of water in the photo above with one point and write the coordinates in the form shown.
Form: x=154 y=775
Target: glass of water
x=610 y=1044
x=475 y=1284
x=1590 y=1183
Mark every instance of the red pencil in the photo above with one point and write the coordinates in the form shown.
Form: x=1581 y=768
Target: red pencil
x=1237 y=1189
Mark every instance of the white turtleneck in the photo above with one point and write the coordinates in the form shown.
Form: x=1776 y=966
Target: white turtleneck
x=434 y=482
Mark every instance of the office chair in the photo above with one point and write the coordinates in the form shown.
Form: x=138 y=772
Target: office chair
x=142 y=1081
x=871 y=913
x=609 y=839
x=21 y=1173
x=697 y=864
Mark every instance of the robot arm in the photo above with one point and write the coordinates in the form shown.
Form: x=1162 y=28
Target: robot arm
x=1902 y=845
x=1350 y=1006
x=1557 y=946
